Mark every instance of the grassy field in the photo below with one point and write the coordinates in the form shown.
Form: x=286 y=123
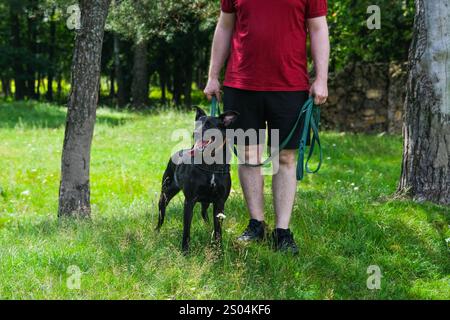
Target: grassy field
x=345 y=220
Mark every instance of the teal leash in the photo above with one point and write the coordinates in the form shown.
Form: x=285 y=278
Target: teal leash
x=311 y=123
x=215 y=108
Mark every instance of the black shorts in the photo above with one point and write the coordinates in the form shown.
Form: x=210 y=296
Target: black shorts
x=276 y=109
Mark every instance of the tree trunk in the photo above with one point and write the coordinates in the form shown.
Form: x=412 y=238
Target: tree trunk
x=188 y=85
x=140 y=86
x=17 y=45
x=32 y=50
x=6 y=86
x=59 y=86
x=51 y=56
x=37 y=94
x=426 y=161
x=162 y=71
x=112 y=90
x=188 y=71
x=100 y=88
x=202 y=69
x=74 y=193
x=178 y=80
x=121 y=92
x=177 y=87
x=162 y=82
x=163 y=85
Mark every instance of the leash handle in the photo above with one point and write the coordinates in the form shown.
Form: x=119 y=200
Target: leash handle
x=312 y=121
x=215 y=107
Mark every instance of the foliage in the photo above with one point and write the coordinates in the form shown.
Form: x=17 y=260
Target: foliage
x=351 y=39
x=33 y=31
x=161 y=19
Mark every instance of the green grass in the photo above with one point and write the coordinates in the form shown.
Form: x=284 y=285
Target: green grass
x=345 y=219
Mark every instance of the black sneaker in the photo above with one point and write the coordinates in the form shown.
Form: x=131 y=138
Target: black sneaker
x=255 y=231
x=283 y=240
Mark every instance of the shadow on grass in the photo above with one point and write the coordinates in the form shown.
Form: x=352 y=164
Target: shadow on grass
x=31 y=115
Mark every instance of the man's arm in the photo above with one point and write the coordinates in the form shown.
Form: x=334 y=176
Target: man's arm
x=220 y=51
x=320 y=49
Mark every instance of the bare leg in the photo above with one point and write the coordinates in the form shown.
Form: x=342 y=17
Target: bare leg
x=218 y=208
x=252 y=181
x=284 y=187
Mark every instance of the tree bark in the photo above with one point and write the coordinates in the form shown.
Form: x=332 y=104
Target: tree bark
x=6 y=86
x=188 y=85
x=121 y=92
x=202 y=69
x=162 y=70
x=178 y=79
x=112 y=90
x=425 y=170
x=32 y=50
x=37 y=94
x=59 y=86
x=163 y=85
x=188 y=73
x=16 y=42
x=140 y=86
x=51 y=56
x=74 y=193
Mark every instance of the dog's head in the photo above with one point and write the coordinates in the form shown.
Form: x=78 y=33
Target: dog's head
x=208 y=129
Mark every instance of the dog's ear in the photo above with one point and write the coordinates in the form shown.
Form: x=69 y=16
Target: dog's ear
x=200 y=113
x=228 y=117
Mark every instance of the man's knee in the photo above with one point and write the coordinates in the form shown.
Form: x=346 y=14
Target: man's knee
x=252 y=154
x=287 y=158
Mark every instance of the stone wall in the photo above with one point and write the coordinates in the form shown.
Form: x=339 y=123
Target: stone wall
x=366 y=98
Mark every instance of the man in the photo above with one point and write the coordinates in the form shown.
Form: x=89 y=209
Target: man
x=267 y=82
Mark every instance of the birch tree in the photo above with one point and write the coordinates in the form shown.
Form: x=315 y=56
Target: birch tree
x=425 y=170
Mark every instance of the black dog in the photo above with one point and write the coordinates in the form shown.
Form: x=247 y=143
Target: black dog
x=200 y=181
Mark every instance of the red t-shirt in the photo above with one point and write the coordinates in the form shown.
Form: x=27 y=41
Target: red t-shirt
x=268 y=49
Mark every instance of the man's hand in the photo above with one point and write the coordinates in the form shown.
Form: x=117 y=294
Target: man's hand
x=319 y=90
x=212 y=89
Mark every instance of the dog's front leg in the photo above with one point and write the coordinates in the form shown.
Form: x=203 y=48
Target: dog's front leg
x=218 y=210
x=188 y=213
